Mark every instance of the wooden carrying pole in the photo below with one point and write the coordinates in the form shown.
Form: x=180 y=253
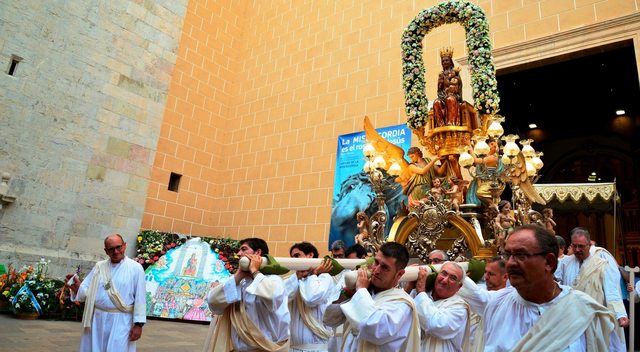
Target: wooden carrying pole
x=632 y=304
x=293 y=264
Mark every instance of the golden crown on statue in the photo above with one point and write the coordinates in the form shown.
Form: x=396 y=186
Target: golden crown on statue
x=446 y=51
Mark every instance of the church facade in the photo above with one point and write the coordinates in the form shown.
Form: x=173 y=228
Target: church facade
x=220 y=118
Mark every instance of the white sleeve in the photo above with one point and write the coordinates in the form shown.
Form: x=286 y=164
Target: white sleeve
x=81 y=295
x=444 y=324
x=316 y=290
x=380 y=324
x=476 y=297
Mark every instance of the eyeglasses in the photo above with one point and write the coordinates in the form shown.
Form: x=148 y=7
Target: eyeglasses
x=448 y=276
x=113 y=249
x=579 y=246
x=520 y=256
x=434 y=261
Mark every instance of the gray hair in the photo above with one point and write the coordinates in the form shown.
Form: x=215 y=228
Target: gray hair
x=464 y=274
x=338 y=245
x=445 y=256
x=581 y=231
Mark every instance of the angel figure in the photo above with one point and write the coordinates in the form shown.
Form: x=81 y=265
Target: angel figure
x=363 y=227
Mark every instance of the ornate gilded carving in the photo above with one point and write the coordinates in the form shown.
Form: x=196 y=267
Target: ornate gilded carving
x=433 y=216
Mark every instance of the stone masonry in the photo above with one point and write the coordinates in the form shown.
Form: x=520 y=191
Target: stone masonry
x=79 y=121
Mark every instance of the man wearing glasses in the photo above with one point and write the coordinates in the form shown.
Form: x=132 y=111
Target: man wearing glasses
x=535 y=313
x=594 y=271
x=115 y=302
x=437 y=256
x=443 y=315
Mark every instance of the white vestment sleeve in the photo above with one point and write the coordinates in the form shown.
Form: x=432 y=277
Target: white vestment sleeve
x=443 y=323
x=316 y=290
x=219 y=297
x=291 y=285
x=269 y=289
x=333 y=316
x=476 y=297
x=140 y=292
x=81 y=295
x=379 y=324
x=611 y=285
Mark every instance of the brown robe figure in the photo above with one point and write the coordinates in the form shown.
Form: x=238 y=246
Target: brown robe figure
x=446 y=107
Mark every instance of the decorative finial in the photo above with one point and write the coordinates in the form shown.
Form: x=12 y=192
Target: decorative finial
x=446 y=51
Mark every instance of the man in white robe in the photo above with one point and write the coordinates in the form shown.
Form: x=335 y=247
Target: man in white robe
x=535 y=313
x=252 y=307
x=309 y=293
x=594 y=271
x=115 y=296
x=379 y=316
x=495 y=278
x=444 y=316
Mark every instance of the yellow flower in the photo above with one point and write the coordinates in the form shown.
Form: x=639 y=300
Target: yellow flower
x=139 y=238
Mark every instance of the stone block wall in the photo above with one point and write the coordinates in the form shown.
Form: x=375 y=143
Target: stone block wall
x=79 y=121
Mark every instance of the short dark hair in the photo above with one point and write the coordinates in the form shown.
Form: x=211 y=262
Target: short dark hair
x=500 y=261
x=398 y=251
x=580 y=231
x=255 y=244
x=358 y=249
x=306 y=248
x=546 y=241
x=561 y=242
x=338 y=245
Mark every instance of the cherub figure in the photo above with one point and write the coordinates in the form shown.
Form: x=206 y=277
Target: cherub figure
x=363 y=227
x=456 y=192
x=549 y=224
x=436 y=190
x=505 y=221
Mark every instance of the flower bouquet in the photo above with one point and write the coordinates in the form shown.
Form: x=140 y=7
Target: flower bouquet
x=34 y=294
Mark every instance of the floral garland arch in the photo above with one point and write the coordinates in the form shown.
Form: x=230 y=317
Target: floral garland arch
x=483 y=80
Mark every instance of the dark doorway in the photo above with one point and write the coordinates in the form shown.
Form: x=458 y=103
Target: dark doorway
x=573 y=99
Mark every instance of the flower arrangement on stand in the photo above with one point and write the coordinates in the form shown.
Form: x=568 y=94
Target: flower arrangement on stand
x=34 y=294
x=7 y=280
x=154 y=244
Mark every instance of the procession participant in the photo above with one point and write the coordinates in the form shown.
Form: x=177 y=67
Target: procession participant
x=309 y=294
x=437 y=256
x=594 y=271
x=115 y=301
x=561 y=247
x=495 y=278
x=356 y=252
x=379 y=316
x=252 y=307
x=338 y=249
x=495 y=274
x=526 y=315
x=444 y=316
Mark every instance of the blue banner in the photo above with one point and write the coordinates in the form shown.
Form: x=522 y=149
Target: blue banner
x=352 y=191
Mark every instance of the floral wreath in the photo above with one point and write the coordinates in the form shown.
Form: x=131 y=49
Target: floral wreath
x=483 y=73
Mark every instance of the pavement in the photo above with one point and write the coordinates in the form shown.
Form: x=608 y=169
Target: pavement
x=41 y=335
